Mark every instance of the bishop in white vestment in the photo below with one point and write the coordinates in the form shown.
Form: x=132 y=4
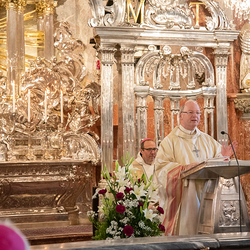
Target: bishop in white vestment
x=182 y=149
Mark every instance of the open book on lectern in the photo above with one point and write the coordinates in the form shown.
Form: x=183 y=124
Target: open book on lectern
x=217 y=167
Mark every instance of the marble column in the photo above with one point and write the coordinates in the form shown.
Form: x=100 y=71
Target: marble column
x=106 y=53
x=221 y=60
x=209 y=110
x=141 y=94
x=126 y=123
x=21 y=45
x=175 y=108
x=12 y=34
x=158 y=112
x=46 y=24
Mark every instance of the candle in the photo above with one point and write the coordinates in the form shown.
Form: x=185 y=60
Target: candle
x=14 y=99
x=29 y=105
x=61 y=107
x=45 y=106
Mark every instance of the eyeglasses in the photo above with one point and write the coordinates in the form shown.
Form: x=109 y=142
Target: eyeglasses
x=150 y=149
x=192 y=112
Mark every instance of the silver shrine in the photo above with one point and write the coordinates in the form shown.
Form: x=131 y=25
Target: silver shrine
x=51 y=117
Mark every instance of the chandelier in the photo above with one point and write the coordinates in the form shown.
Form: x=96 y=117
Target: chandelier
x=241 y=7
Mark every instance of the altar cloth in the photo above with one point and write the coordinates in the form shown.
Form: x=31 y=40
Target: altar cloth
x=213 y=241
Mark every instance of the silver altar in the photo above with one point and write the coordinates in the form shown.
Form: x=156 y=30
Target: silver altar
x=220 y=210
x=40 y=191
x=48 y=153
x=159 y=54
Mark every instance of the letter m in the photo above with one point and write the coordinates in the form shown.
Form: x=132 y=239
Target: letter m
x=140 y=9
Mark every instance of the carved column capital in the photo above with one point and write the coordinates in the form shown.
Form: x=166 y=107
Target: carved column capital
x=221 y=56
x=127 y=55
x=107 y=53
x=46 y=7
x=242 y=103
x=141 y=99
x=158 y=102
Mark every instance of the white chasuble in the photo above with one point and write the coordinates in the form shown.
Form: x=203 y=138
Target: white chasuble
x=180 y=198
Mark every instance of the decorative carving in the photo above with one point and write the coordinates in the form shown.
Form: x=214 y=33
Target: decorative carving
x=242 y=103
x=44 y=189
x=188 y=64
x=112 y=15
x=229 y=215
x=52 y=97
x=159 y=14
x=245 y=58
x=228 y=183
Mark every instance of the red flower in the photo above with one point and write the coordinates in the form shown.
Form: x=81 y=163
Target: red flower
x=102 y=191
x=120 y=209
x=127 y=190
x=119 y=196
x=140 y=204
x=160 y=210
x=128 y=230
x=162 y=228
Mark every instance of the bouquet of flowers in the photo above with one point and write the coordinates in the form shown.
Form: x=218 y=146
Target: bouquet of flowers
x=125 y=209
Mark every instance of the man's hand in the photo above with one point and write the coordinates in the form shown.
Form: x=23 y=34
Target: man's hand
x=191 y=165
x=228 y=151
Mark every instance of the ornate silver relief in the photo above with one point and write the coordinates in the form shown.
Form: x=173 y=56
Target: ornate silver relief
x=159 y=14
x=167 y=14
x=229 y=214
x=165 y=66
x=113 y=15
x=242 y=103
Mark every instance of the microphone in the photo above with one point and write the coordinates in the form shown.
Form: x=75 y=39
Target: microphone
x=225 y=133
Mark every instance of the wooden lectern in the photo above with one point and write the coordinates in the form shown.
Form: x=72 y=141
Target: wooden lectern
x=219 y=206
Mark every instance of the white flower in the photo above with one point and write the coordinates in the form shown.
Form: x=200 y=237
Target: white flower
x=141 y=224
x=109 y=196
x=132 y=170
x=122 y=182
x=112 y=229
x=107 y=187
x=129 y=204
x=100 y=209
x=153 y=194
x=91 y=214
x=121 y=173
x=124 y=220
x=139 y=191
x=154 y=186
x=96 y=193
x=149 y=214
x=102 y=216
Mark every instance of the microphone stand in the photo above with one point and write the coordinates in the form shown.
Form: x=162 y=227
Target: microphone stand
x=239 y=187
